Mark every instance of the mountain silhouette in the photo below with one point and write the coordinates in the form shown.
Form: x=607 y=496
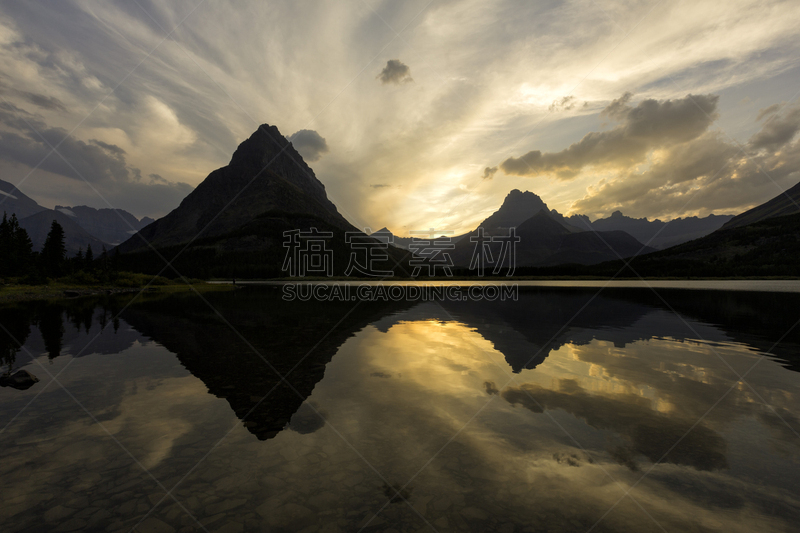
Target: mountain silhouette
x=656 y=233
x=543 y=239
x=111 y=226
x=12 y=200
x=75 y=237
x=784 y=204
x=235 y=223
x=767 y=247
x=265 y=174
x=281 y=341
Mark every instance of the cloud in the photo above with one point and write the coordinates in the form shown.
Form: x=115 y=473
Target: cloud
x=46 y=102
x=564 y=104
x=395 y=72
x=710 y=171
x=767 y=111
x=777 y=131
x=102 y=165
x=645 y=431
x=488 y=87
x=310 y=144
x=651 y=124
x=489 y=172
x=379 y=185
x=617 y=108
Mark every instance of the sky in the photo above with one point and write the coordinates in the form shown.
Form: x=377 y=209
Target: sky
x=414 y=115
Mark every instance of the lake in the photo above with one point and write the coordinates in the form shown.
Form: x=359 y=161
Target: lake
x=568 y=409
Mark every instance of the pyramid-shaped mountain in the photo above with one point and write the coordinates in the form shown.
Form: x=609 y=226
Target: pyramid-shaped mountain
x=544 y=239
x=235 y=222
x=266 y=174
x=517 y=207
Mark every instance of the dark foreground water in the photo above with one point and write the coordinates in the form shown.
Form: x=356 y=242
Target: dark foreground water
x=562 y=411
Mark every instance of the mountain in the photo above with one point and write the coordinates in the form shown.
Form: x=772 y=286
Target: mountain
x=784 y=204
x=405 y=242
x=75 y=237
x=281 y=341
x=111 y=226
x=764 y=241
x=236 y=221
x=265 y=174
x=770 y=247
x=518 y=207
x=545 y=237
x=545 y=242
x=13 y=201
x=656 y=233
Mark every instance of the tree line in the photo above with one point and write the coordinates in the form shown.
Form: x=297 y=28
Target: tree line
x=18 y=260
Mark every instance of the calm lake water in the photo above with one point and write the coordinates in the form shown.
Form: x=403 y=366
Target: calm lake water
x=566 y=410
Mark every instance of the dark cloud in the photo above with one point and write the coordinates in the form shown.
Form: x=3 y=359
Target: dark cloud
x=651 y=124
x=98 y=163
x=564 y=104
x=395 y=72
x=379 y=185
x=40 y=100
x=46 y=102
x=489 y=172
x=767 y=111
x=644 y=431
x=709 y=172
x=777 y=131
x=617 y=108
x=310 y=144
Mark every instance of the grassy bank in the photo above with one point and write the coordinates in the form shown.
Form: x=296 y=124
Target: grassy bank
x=12 y=290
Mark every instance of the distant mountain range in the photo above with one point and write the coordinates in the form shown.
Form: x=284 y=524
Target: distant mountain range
x=112 y=226
x=236 y=221
x=549 y=238
x=764 y=241
x=83 y=226
x=655 y=233
x=75 y=237
x=545 y=238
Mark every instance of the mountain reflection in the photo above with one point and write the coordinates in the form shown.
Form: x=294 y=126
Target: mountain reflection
x=269 y=337
x=561 y=396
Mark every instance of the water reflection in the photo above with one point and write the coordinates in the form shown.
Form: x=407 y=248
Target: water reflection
x=474 y=416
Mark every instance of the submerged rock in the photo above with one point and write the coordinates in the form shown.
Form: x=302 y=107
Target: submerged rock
x=21 y=379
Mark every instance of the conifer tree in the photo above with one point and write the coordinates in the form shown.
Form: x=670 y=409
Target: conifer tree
x=16 y=248
x=54 y=251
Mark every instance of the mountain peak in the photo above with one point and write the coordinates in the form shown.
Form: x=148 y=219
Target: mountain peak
x=265 y=175
x=517 y=207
